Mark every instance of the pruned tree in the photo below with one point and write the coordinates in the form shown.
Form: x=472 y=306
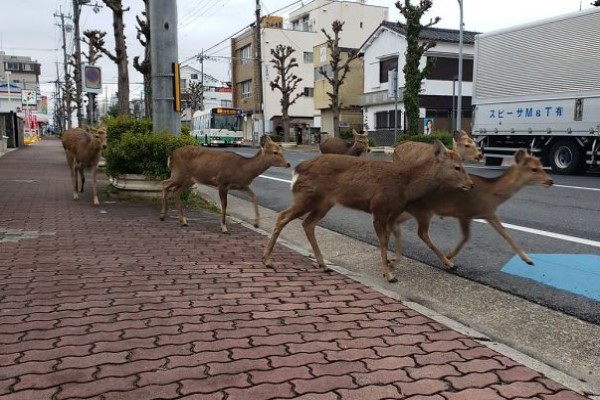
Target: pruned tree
x=286 y=82
x=415 y=49
x=120 y=55
x=75 y=90
x=595 y=3
x=69 y=94
x=195 y=93
x=339 y=68
x=145 y=68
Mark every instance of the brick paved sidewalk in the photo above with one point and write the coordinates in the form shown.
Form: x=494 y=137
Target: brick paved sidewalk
x=110 y=303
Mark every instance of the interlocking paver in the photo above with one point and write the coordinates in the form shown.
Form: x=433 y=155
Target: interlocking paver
x=107 y=303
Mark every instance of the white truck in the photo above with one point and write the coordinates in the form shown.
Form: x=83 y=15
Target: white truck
x=537 y=86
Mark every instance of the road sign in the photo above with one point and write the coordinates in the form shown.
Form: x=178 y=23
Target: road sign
x=28 y=97
x=92 y=79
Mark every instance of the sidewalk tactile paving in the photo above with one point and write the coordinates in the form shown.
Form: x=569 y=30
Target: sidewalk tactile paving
x=111 y=303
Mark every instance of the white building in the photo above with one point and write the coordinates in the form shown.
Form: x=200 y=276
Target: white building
x=384 y=51
x=216 y=93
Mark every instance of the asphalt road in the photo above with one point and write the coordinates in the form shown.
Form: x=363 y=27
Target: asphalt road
x=561 y=220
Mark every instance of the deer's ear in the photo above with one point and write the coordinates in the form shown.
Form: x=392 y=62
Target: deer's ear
x=457 y=135
x=439 y=148
x=264 y=139
x=520 y=156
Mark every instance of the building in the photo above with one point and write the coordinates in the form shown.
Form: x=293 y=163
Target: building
x=19 y=73
x=384 y=51
x=216 y=93
x=302 y=31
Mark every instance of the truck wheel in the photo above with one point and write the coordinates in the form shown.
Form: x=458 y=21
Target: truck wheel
x=566 y=157
x=493 y=161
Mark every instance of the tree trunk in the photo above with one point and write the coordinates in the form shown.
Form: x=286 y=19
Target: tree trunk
x=122 y=67
x=286 y=126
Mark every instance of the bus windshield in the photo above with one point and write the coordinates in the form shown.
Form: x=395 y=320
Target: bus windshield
x=229 y=122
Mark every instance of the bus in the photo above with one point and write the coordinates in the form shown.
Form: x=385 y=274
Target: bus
x=219 y=126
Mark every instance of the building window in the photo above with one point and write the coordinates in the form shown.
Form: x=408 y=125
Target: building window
x=246 y=54
x=226 y=103
x=11 y=66
x=194 y=76
x=386 y=65
x=308 y=57
x=246 y=89
x=27 y=67
x=309 y=92
x=446 y=69
x=386 y=120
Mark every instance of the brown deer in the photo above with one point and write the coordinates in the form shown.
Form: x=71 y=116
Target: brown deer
x=224 y=170
x=380 y=188
x=464 y=145
x=336 y=145
x=479 y=202
x=83 y=148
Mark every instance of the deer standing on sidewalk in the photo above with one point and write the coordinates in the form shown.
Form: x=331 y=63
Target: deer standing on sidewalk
x=479 y=202
x=83 y=149
x=381 y=188
x=224 y=170
x=336 y=145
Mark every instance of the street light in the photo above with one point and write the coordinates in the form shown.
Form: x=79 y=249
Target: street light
x=460 y=68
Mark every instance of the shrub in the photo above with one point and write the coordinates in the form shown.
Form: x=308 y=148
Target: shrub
x=144 y=154
x=117 y=126
x=445 y=138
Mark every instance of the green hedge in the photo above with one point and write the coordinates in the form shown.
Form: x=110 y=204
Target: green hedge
x=445 y=138
x=143 y=154
x=117 y=126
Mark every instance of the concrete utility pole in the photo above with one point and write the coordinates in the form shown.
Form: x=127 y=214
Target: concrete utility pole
x=163 y=31
x=259 y=99
x=64 y=107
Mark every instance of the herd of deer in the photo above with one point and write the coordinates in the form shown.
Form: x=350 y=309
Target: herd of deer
x=422 y=181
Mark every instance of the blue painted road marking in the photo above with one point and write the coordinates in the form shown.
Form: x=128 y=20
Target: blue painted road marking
x=575 y=273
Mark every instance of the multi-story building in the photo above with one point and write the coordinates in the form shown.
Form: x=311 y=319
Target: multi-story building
x=17 y=73
x=384 y=51
x=302 y=31
x=216 y=93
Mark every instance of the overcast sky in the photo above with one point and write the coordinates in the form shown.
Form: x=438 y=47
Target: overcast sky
x=29 y=27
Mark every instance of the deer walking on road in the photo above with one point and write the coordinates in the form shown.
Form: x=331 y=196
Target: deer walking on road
x=224 y=170
x=380 y=188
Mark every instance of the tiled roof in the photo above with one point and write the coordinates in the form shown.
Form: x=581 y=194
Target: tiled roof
x=436 y=34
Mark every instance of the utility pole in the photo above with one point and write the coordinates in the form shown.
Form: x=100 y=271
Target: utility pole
x=58 y=108
x=164 y=66
x=65 y=107
x=201 y=80
x=460 y=68
x=259 y=99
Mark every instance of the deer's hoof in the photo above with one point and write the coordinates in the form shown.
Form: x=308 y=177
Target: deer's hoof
x=392 y=279
x=162 y=217
x=528 y=261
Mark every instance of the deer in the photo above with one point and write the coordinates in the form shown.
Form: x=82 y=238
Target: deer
x=224 y=170
x=336 y=145
x=462 y=142
x=381 y=188
x=480 y=202
x=83 y=148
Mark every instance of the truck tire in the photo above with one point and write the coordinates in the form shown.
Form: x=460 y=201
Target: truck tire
x=566 y=157
x=493 y=161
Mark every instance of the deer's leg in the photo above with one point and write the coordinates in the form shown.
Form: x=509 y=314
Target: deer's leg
x=424 y=235
x=465 y=230
x=73 y=169
x=252 y=197
x=296 y=210
x=80 y=169
x=309 y=225
x=95 y=194
x=166 y=184
x=179 y=204
x=223 y=196
x=397 y=232
x=493 y=220
x=382 y=229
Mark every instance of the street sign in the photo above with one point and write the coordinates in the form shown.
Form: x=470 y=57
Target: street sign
x=92 y=79
x=28 y=97
x=392 y=84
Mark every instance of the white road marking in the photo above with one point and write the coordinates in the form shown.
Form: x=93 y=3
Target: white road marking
x=539 y=232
